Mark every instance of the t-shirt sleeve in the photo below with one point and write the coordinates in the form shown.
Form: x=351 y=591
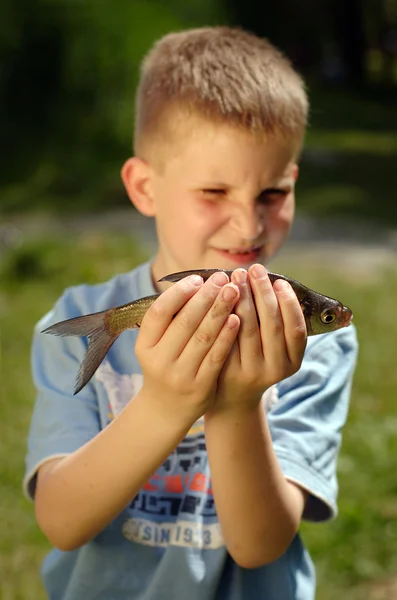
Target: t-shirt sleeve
x=61 y=422
x=307 y=420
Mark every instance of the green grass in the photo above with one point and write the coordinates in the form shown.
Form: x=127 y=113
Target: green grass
x=352 y=553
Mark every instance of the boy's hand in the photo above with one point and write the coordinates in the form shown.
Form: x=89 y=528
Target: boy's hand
x=181 y=356
x=270 y=343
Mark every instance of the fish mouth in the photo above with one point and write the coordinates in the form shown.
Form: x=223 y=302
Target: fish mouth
x=346 y=317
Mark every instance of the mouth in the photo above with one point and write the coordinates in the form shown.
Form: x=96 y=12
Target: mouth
x=347 y=316
x=242 y=255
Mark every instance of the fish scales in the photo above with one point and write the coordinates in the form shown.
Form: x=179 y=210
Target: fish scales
x=128 y=316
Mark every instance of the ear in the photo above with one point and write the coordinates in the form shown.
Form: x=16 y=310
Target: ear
x=136 y=176
x=295 y=172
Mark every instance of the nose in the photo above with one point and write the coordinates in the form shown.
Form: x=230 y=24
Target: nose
x=248 y=222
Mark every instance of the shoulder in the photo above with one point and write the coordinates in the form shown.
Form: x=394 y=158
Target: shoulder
x=341 y=340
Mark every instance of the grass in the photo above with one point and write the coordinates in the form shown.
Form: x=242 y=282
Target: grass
x=355 y=555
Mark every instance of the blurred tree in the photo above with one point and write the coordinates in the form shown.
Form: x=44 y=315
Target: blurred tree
x=278 y=22
x=67 y=80
x=69 y=70
x=30 y=78
x=332 y=37
x=387 y=39
x=348 y=25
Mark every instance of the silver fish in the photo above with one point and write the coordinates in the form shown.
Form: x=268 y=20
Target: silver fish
x=322 y=315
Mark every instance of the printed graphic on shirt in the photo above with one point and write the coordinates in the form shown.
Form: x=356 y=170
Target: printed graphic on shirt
x=182 y=533
x=176 y=506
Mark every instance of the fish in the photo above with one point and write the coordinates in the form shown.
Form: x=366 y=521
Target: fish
x=322 y=314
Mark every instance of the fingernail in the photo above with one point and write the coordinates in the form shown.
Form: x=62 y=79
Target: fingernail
x=241 y=276
x=219 y=279
x=258 y=271
x=195 y=279
x=229 y=293
x=232 y=321
x=282 y=285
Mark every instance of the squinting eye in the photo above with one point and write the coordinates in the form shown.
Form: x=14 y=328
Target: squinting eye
x=327 y=317
x=272 y=195
x=214 y=192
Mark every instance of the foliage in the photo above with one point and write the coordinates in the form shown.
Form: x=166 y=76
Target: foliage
x=69 y=73
x=67 y=84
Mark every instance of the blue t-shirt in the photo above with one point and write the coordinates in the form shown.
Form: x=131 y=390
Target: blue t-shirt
x=167 y=545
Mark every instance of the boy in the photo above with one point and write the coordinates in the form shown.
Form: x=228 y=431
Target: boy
x=184 y=467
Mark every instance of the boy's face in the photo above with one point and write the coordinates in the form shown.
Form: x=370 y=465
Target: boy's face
x=223 y=200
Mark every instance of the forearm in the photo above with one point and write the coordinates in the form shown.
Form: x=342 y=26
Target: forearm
x=258 y=509
x=82 y=493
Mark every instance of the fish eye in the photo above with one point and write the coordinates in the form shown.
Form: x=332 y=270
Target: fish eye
x=327 y=317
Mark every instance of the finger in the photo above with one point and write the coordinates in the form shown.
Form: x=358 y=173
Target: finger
x=232 y=363
x=191 y=315
x=221 y=350
x=249 y=340
x=209 y=329
x=162 y=311
x=271 y=323
x=295 y=333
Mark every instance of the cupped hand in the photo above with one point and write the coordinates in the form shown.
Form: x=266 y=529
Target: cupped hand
x=271 y=341
x=184 y=341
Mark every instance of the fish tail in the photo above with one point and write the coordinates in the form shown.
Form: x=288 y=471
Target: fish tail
x=99 y=341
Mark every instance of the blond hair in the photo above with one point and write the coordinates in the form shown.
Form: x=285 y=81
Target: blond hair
x=223 y=74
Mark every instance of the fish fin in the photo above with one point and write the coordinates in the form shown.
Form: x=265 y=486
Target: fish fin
x=204 y=273
x=79 y=326
x=99 y=341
